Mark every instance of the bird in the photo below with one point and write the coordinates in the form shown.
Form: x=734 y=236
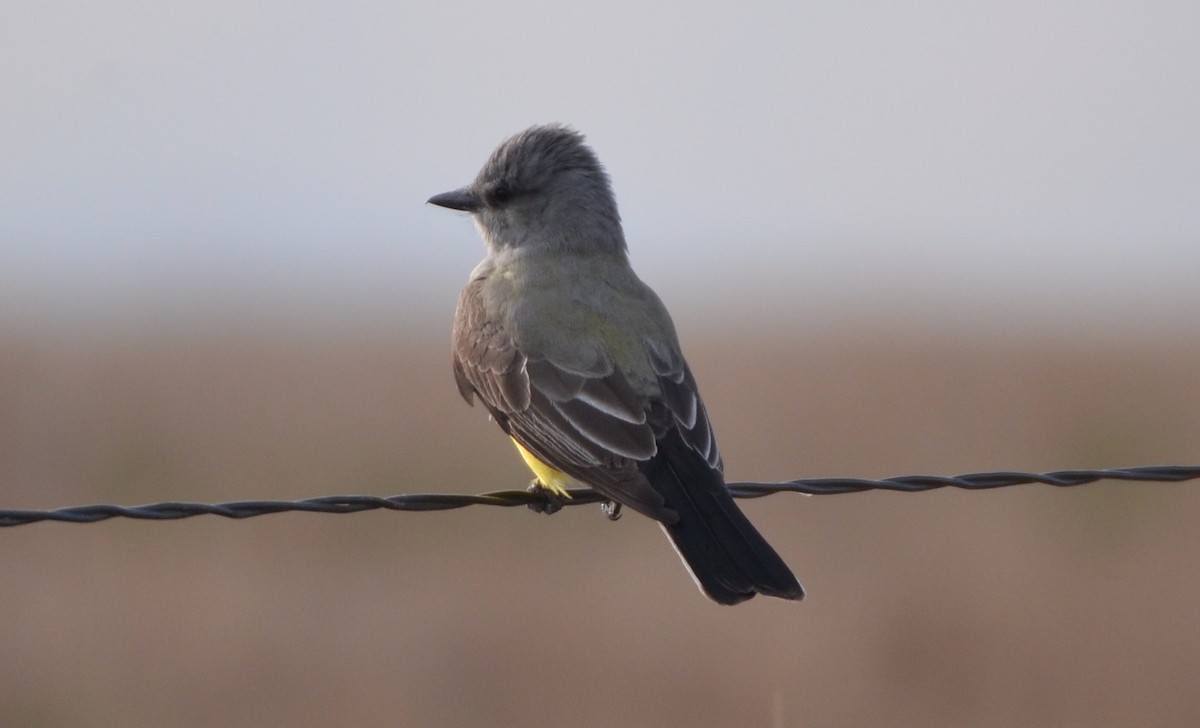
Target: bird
x=578 y=361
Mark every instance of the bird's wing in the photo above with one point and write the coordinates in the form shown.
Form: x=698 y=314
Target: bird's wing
x=584 y=419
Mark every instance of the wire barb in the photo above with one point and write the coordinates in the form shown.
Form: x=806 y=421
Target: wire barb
x=540 y=499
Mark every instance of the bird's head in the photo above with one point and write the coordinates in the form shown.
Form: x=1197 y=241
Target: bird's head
x=542 y=189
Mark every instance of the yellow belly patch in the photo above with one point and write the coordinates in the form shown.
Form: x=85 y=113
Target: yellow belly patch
x=556 y=481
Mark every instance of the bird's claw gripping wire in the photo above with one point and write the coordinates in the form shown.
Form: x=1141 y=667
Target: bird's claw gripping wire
x=548 y=501
x=551 y=501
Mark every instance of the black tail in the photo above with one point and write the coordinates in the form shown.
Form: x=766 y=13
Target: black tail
x=728 y=558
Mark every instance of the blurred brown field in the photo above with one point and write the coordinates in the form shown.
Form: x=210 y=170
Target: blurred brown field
x=1024 y=606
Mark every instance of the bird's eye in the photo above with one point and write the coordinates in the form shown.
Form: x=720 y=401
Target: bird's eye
x=501 y=194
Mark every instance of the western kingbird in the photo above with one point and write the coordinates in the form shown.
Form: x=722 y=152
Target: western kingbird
x=578 y=362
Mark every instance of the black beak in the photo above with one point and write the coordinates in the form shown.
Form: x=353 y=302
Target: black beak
x=460 y=199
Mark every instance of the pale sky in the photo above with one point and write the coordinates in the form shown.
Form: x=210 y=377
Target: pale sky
x=272 y=159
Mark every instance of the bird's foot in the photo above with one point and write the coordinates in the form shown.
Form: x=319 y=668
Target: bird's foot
x=549 y=501
x=611 y=510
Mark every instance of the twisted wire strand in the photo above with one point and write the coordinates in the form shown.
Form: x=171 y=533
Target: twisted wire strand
x=539 y=500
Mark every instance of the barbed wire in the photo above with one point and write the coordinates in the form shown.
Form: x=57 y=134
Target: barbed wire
x=542 y=501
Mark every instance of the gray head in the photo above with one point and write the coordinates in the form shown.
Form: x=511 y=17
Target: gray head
x=542 y=188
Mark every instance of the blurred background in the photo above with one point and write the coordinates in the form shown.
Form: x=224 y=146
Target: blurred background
x=929 y=238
